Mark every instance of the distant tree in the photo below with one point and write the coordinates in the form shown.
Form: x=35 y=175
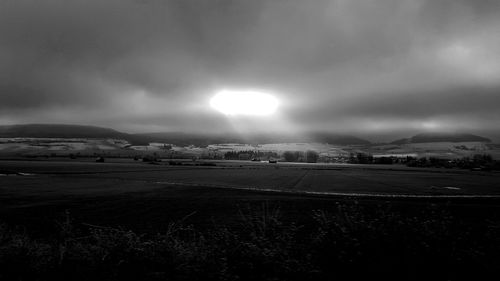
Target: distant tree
x=482 y=158
x=291 y=156
x=352 y=158
x=383 y=160
x=312 y=156
x=364 y=158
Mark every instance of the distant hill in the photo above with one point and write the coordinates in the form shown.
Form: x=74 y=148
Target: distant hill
x=181 y=139
x=338 y=139
x=204 y=139
x=58 y=131
x=184 y=139
x=442 y=137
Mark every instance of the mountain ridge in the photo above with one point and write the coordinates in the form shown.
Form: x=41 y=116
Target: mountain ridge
x=57 y=131
x=199 y=139
x=441 y=137
x=177 y=138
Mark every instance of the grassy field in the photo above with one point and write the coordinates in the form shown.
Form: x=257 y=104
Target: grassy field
x=445 y=220
x=124 y=193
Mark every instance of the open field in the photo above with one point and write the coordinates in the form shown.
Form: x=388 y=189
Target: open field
x=290 y=177
x=252 y=221
x=127 y=192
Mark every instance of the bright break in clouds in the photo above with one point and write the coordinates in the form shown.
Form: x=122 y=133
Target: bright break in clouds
x=380 y=67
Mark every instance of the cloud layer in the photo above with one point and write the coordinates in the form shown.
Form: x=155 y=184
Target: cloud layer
x=374 y=67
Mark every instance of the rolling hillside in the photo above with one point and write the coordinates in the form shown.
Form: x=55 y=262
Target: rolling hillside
x=441 y=137
x=177 y=138
x=59 y=131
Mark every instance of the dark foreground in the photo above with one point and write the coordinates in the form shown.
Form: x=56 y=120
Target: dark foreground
x=88 y=222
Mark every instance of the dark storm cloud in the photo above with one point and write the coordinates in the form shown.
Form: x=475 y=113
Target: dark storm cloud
x=335 y=64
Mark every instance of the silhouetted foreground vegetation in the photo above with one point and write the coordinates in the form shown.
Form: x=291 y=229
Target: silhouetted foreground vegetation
x=349 y=243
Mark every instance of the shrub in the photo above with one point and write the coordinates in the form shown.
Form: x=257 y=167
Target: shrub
x=350 y=242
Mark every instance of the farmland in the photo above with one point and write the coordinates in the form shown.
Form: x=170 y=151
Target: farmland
x=287 y=177
x=397 y=206
x=127 y=191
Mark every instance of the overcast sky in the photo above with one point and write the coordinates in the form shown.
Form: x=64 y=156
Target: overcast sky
x=367 y=67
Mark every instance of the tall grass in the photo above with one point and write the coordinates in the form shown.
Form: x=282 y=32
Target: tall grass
x=348 y=243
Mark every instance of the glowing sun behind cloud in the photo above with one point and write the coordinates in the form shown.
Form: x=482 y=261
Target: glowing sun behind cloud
x=246 y=103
